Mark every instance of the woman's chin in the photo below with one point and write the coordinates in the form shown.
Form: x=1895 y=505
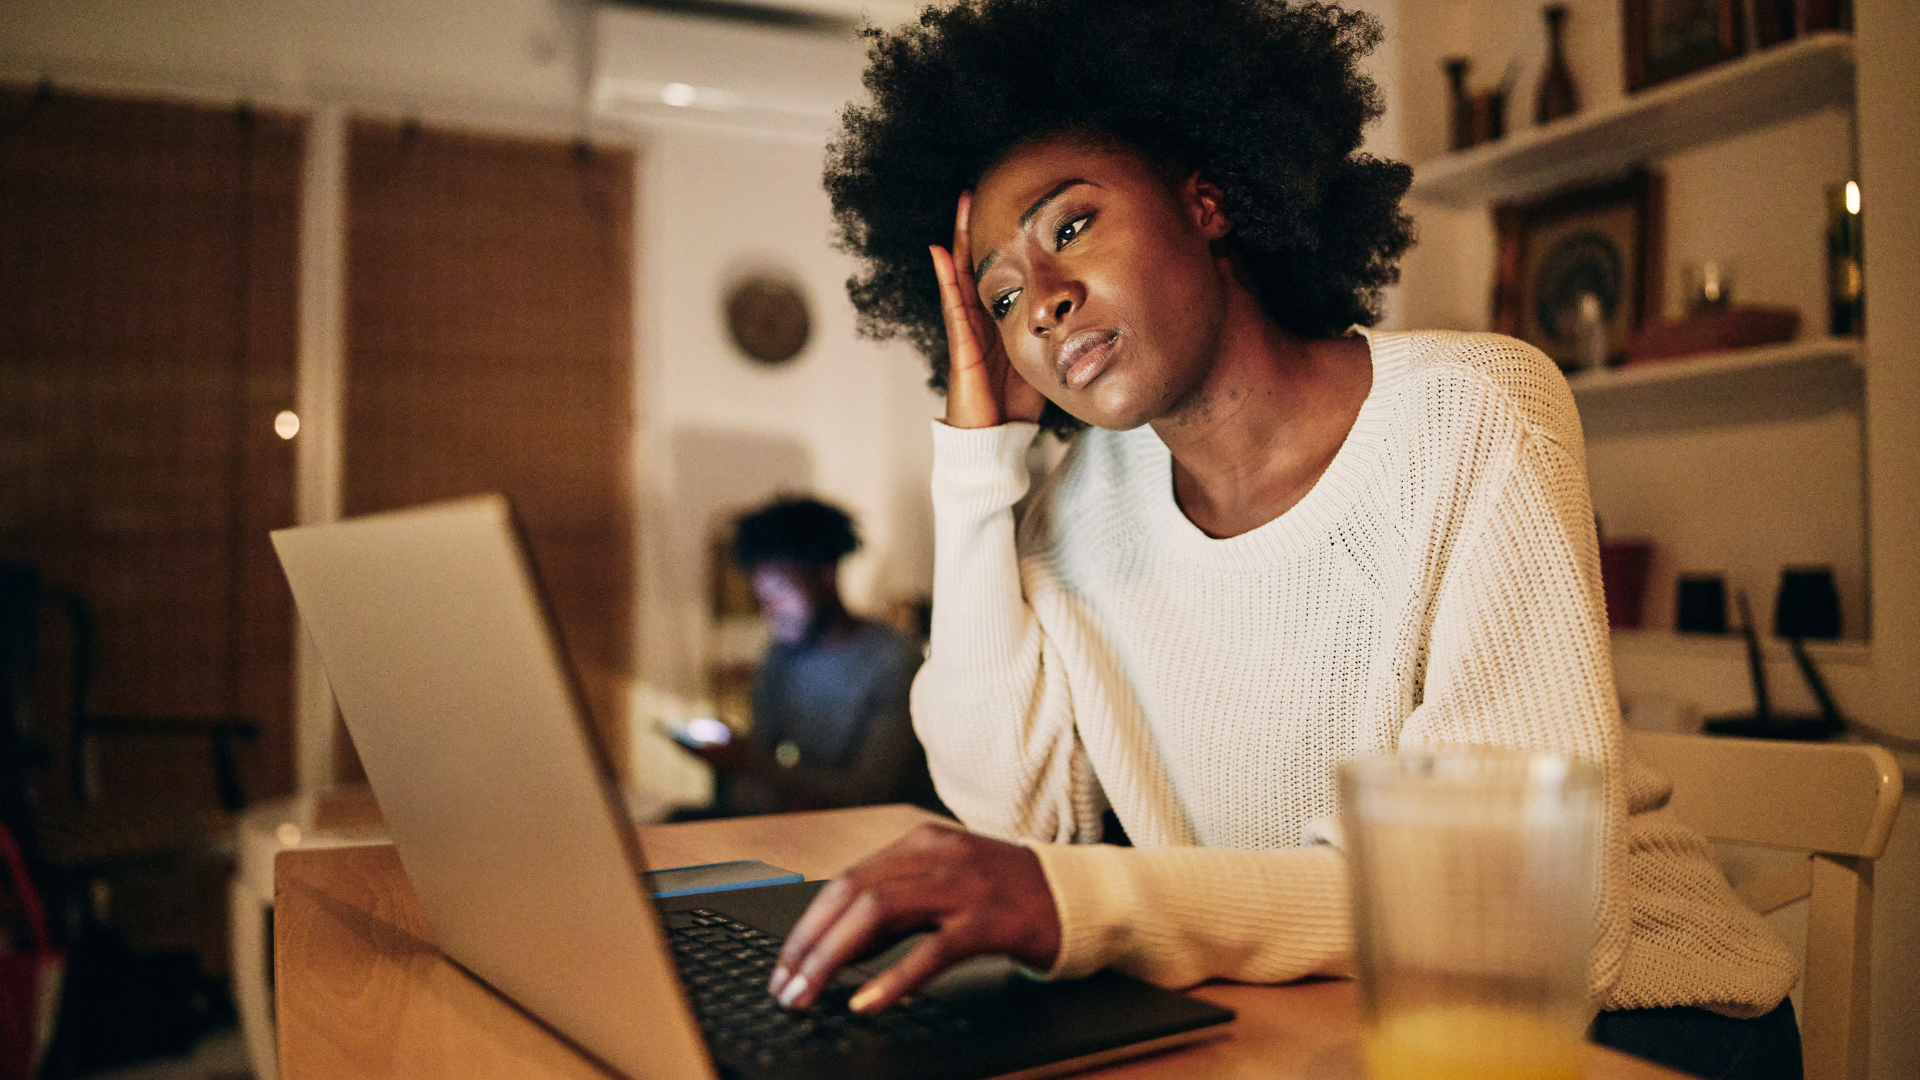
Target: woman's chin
x=1093 y=416
x=1115 y=407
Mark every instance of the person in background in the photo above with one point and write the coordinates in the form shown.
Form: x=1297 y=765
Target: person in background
x=830 y=721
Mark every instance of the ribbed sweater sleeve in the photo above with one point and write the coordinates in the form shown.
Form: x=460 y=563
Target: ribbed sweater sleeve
x=991 y=703
x=1175 y=916
x=1519 y=654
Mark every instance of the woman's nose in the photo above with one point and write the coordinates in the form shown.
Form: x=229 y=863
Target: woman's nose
x=1056 y=304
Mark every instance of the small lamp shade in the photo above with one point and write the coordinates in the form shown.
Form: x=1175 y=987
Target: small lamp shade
x=1701 y=606
x=1808 y=605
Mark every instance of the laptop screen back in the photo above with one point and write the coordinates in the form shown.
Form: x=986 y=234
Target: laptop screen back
x=501 y=802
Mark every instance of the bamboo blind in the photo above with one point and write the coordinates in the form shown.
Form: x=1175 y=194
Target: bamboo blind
x=489 y=340
x=147 y=335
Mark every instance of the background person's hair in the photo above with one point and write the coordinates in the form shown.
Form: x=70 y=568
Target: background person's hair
x=797 y=530
x=1263 y=98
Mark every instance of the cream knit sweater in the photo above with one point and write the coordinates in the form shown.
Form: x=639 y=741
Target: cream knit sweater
x=1439 y=585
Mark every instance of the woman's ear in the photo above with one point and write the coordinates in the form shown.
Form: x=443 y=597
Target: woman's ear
x=1205 y=201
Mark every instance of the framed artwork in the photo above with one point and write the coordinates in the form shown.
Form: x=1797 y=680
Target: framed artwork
x=1665 y=39
x=1604 y=240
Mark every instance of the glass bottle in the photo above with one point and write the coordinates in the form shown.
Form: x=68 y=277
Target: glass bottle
x=1460 y=106
x=1557 y=95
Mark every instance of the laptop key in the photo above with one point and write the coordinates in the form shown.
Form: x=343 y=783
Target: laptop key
x=724 y=964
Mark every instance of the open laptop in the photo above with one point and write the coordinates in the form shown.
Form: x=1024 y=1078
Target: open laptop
x=503 y=806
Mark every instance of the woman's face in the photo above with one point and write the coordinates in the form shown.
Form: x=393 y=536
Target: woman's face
x=1100 y=276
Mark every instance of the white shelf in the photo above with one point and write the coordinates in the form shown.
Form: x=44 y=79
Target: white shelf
x=1732 y=647
x=1812 y=377
x=1734 y=98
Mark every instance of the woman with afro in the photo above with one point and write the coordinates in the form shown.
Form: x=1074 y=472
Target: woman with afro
x=1279 y=539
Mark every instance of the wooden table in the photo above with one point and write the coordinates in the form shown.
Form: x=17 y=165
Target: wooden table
x=362 y=992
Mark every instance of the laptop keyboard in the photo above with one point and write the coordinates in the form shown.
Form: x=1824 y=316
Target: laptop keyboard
x=725 y=966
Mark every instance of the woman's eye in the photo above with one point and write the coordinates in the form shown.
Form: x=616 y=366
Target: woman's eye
x=1069 y=230
x=1002 y=304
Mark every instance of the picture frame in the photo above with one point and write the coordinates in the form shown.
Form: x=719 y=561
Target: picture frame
x=1607 y=239
x=1665 y=39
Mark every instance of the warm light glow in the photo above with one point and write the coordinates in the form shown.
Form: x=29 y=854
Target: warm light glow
x=288 y=833
x=678 y=94
x=287 y=424
x=1853 y=197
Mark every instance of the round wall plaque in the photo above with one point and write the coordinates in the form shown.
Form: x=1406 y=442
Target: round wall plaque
x=767 y=315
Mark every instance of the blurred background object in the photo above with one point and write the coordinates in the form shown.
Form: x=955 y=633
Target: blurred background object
x=1557 y=96
x=1846 y=272
x=1702 y=604
x=1479 y=116
x=1624 y=564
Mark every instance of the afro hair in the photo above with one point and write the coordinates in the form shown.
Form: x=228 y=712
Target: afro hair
x=796 y=530
x=1262 y=97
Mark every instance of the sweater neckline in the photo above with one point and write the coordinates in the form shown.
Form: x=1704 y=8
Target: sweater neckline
x=1314 y=515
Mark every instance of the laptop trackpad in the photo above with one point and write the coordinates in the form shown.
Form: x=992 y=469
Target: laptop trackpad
x=979 y=977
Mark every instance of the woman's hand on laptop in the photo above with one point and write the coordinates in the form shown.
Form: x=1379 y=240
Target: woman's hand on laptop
x=976 y=896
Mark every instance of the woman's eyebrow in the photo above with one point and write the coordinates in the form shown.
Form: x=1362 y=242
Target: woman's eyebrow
x=1039 y=204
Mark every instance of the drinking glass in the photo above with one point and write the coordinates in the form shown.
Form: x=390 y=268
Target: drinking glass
x=1475 y=875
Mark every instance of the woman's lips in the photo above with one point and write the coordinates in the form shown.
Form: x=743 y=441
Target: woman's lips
x=1084 y=356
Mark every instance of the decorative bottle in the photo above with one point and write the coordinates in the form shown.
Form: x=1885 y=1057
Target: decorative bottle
x=1460 y=106
x=1557 y=95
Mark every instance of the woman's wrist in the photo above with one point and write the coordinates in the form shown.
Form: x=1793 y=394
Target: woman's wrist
x=979 y=470
x=970 y=416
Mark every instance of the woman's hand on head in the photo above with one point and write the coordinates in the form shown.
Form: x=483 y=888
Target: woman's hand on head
x=983 y=389
x=976 y=896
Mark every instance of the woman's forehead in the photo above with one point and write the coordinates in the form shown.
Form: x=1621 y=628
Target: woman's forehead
x=1030 y=172
x=1057 y=155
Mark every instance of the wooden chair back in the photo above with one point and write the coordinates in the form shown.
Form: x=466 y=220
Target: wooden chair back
x=1834 y=801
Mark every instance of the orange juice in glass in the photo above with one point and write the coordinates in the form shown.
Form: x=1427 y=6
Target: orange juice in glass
x=1470 y=1042
x=1475 y=874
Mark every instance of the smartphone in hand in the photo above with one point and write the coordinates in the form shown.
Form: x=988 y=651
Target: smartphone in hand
x=699 y=733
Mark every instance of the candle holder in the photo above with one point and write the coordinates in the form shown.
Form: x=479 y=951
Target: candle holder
x=1846 y=273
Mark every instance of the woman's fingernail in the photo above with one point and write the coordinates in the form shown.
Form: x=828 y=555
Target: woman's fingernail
x=780 y=977
x=867 y=995
x=793 y=991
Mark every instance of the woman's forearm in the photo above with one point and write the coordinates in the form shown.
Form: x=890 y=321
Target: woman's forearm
x=998 y=729
x=1178 y=915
